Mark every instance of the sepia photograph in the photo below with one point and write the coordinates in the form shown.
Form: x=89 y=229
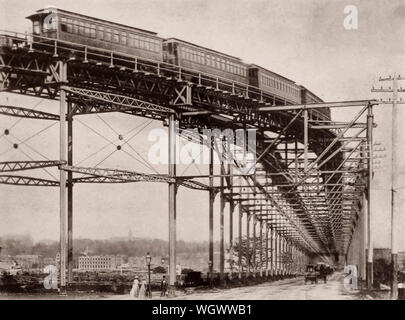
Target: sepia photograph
x=173 y=150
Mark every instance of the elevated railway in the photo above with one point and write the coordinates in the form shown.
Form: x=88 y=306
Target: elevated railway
x=309 y=176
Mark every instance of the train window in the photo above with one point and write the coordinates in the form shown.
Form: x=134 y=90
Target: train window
x=36 y=27
x=92 y=31
x=107 y=34
x=69 y=25
x=136 y=42
x=130 y=40
x=81 y=28
x=87 y=29
x=75 y=27
x=116 y=37
x=100 y=33
x=124 y=38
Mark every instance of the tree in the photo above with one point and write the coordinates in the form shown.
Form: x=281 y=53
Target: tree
x=159 y=269
x=250 y=257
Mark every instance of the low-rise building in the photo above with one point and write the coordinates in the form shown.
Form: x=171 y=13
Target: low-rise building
x=102 y=262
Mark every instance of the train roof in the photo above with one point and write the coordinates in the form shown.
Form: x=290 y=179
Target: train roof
x=272 y=72
x=204 y=48
x=47 y=11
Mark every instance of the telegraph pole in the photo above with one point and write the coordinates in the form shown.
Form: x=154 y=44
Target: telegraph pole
x=394 y=175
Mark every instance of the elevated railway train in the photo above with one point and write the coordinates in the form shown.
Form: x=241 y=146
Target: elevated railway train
x=83 y=30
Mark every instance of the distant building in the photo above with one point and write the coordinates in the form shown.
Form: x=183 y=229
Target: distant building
x=102 y=262
x=48 y=261
x=27 y=261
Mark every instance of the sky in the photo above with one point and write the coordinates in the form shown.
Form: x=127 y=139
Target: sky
x=302 y=40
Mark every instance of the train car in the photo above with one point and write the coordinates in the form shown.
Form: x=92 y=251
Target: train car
x=191 y=56
x=308 y=97
x=275 y=84
x=84 y=30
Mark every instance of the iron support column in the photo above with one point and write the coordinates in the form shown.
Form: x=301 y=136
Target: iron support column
x=254 y=247
x=240 y=241
x=62 y=179
x=305 y=140
x=172 y=200
x=70 y=194
x=271 y=251
x=261 y=248
x=267 y=249
x=221 y=220
x=211 y=212
x=231 y=205
x=248 y=255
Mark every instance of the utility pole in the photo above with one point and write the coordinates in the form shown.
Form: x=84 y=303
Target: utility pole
x=394 y=174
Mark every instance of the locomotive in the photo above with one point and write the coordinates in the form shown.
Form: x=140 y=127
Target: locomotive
x=84 y=30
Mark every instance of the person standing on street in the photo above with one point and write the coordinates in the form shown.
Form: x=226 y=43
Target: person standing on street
x=135 y=288
x=163 y=287
x=142 y=291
